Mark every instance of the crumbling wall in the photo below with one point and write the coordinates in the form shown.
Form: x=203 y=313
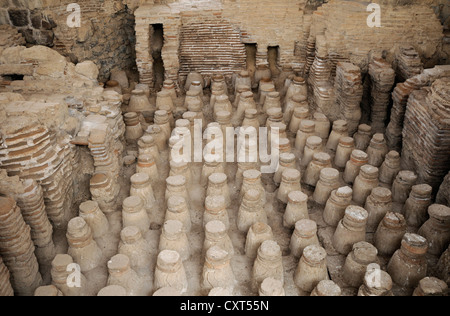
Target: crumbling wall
x=9 y=37
x=41 y=117
x=45 y=71
x=171 y=20
x=214 y=32
x=426 y=145
x=347 y=34
x=268 y=23
x=28 y=17
x=400 y=98
x=36 y=148
x=106 y=35
x=107 y=32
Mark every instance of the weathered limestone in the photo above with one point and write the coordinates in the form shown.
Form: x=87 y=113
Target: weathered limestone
x=121 y=274
x=62 y=268
x=30 y=200
x=217 y=271
x=82 y=246
x=268 y=263
x=312 y=268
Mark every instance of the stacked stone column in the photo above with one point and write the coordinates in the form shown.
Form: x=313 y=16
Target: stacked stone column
x=349 y=92
x=34 y=152
x=321 y=90
x=31 y=202
x=408 y=62
x=17 y=249
x=383 y=79
x=400 y=98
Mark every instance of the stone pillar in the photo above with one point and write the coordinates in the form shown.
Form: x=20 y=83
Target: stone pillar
x=170 y=17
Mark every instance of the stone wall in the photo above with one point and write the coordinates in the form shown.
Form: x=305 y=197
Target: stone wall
x=28 y=17
x=171 y=20
x=288 y=25
x=268 y=23
x=10 y=37
x=223 y=27
x=43 y=121
x=106 y=35
x=347 y=35
x=45 y=72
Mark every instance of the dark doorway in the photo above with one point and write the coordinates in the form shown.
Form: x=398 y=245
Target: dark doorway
x=251 y=58
x=274 y=58
x=13 y=77
x=156 y=44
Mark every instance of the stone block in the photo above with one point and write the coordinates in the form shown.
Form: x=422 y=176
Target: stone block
x=51 y=69
x=26 y=70
x=28 y=34
x=48 y=23
x=36 y=19
x=19 y=17
x=41 y=54
x=4 y=17
x=121 y=77
x=88 y=69
x=11 y=55
x=52 y=115
x=44 y=37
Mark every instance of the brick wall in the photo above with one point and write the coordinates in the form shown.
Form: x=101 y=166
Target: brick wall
x=210 y=45
x=171 y=20
x=269 y=23
x=210 y=35
x=426 y=133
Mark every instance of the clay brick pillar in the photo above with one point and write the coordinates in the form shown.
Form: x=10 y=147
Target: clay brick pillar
x=426 y=133
x=144 y=59
x=146 y=16
x=262 y=54
x=170 y=51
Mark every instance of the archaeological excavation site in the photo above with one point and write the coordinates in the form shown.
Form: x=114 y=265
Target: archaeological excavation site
x=228 y=148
